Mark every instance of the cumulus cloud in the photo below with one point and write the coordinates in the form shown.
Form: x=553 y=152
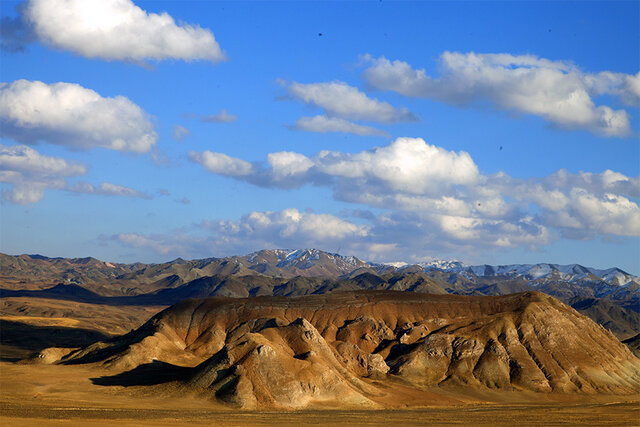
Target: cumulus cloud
x=554 y=90
x=408 y=165
x=324 y=124
x=118 y=30
x=426 y=185
x=492 y=212
x=29 y=173
x=287 y=164
x=71 y=115
x=585 y=205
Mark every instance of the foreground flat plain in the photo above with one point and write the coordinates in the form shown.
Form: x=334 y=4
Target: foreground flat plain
x=44 y=395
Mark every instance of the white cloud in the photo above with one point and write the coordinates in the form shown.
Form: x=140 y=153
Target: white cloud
x=118 y=30
x=70 y=115
x=407 y=164
x=288 y=226
x=288 y=164
x=597 y=183
x=624 y=86
x=222 y=164
x=460 y=227
x=29 y=173
x=554 y=90
x=582 y=213
x=27 y=161
x=609 y=214
x=338 y=99
x=180 y=133
x=428 y=186
x=397 y=235
x=324 y=124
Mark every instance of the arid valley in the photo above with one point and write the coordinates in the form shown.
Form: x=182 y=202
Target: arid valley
x=316 y=338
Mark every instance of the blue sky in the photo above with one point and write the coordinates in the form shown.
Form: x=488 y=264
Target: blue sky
x=497 y=132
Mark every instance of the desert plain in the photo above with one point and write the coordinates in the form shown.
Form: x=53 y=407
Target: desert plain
x=34 y=391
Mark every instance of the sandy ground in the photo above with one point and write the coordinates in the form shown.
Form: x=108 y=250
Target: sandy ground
x=46 y=395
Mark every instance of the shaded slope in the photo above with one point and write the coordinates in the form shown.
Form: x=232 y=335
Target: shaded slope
x=634 y=344
x=21 y=340
x=622 y=322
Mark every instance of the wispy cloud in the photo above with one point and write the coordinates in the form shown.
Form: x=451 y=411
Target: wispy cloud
x=220 y=117
x=341 y=100
x=324 y=124
x=107 y=189
x=180 y=132
x=29 y=174
x=342 y=105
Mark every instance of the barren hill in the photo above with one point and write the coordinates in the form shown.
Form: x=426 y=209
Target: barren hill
x=297 y=351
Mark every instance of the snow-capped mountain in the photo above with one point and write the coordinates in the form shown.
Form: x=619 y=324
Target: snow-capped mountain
x=306 y=262
x=536 y=272
x=316 y=262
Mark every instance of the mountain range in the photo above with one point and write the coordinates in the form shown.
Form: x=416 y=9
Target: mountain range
x=304 y=328
x=284 y=263
x=611 y=296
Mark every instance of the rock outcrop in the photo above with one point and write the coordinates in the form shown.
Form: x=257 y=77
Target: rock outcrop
x=294 y=352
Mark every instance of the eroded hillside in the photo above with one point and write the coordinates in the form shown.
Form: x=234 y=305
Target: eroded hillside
x=297 y=351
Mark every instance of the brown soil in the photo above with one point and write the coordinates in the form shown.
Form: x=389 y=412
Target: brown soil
x=46 y=395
